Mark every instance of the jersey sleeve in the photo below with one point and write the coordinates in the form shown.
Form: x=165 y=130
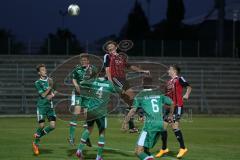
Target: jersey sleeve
x=183 y=82
x=74 y=74
x=167 y=100
x=137 y=102
x=106 y=60
x=39 y=88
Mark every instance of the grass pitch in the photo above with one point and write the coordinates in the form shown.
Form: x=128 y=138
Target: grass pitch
x=208 y=138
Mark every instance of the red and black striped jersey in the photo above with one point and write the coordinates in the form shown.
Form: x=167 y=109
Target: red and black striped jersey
x=117 y=64
x=174 y=90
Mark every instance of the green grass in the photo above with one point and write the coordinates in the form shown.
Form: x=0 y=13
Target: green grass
x=206 y=138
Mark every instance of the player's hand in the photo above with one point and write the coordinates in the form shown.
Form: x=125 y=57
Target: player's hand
x=170 y=119
x=146 y=72
x=186 y=97
x=49 y=97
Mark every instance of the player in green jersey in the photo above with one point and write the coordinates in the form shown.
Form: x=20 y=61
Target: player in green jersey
x=152 y=103
x=99 y=97
x=44 y=86
x=80 y=73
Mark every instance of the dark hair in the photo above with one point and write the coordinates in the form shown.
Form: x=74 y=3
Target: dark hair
x=40 y=66
x=176 y=67
x=84 y=56
x=109 y=42
x=147 y=82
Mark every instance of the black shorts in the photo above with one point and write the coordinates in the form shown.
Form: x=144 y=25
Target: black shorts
x=178 y=111
x=101 y=123
x=121 y=83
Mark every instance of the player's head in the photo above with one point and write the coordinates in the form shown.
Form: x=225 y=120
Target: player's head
x=147 y=82
x=111 y=47
x=41 y=69
x=174 y=70
x=84 y=60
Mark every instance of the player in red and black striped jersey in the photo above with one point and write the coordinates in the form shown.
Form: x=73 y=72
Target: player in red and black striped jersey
x=115 y=65
x=174 y=90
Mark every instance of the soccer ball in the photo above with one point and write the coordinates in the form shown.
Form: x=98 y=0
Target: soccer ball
x=73 y=10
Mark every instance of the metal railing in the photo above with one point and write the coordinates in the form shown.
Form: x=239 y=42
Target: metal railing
x=163 y=48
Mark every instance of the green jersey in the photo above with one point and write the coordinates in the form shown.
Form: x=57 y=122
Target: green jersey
x=81 y=73
x=42 y=85
x=152 y=103
x=99 y=94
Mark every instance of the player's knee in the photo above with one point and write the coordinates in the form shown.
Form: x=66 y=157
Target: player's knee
x=52 y=125
x=41 y=125
x=77 y=110
x=175 y=126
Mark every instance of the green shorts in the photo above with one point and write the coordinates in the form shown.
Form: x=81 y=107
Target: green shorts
x=101 y=123
x=80 y=101
x=148 y=138
x=43 y=112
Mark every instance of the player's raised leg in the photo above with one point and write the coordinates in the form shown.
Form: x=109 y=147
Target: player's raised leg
x=41 y=131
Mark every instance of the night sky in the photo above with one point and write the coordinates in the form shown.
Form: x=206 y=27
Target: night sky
x=34 y=19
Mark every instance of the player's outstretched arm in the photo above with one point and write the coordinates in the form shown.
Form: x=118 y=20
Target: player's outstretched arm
x=44 y=94
x=108 y=73
x=76 y=85
x=137 y=69
x=188 y=91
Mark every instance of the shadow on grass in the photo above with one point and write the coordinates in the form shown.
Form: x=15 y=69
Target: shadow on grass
x=108 y=153
x=72 y=153
x=44 y=151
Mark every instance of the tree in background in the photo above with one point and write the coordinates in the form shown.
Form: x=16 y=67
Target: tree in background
x=137 y=28
x=62 y=42
x=8 y=43
x=175 y=12
x=137 y=25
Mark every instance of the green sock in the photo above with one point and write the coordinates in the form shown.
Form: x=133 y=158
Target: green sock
x=143 y=156
x=101 y=141
x=84 y=137
x=73 y=125
x=39 y=132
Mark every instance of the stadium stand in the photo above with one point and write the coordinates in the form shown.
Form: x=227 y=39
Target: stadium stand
x=215 y=81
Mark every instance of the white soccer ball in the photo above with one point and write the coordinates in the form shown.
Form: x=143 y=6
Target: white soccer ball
x=73 y=10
